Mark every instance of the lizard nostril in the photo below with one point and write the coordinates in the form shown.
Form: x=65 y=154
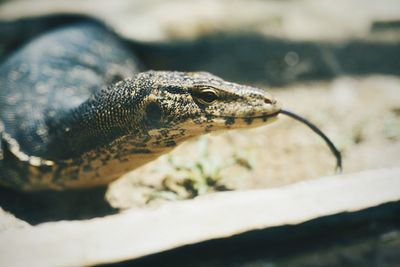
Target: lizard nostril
x=269 y=101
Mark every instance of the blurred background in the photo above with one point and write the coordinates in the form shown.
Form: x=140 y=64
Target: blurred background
x=336 y=63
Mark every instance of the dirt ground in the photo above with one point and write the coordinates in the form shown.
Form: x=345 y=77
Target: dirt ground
x=361 y=114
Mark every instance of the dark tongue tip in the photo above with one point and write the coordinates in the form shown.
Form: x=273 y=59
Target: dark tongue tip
x=330 y=144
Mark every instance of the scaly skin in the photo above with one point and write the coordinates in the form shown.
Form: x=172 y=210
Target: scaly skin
x=69 y=124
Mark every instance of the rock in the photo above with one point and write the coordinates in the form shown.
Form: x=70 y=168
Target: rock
x=141 y=232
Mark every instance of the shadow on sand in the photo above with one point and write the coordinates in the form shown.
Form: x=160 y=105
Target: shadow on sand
x=252 y=58
x=46 y=206
x=242 y=57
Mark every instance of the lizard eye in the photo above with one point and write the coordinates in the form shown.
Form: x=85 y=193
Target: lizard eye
x=207 y=97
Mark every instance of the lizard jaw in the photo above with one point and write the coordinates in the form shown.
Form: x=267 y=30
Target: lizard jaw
x=237 y=122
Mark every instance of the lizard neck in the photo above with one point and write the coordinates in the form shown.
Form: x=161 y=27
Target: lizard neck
x=106 y=116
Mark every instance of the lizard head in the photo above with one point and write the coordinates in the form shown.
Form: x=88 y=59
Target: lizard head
x=193 y=103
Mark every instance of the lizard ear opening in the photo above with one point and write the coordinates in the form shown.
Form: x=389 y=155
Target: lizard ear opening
x=153 y=114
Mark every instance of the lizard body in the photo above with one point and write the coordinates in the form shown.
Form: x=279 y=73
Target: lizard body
x=78 y=109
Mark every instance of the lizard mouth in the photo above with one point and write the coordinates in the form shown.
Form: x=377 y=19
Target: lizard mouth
x=247 y=121
x=272 y=115
x=263 y=116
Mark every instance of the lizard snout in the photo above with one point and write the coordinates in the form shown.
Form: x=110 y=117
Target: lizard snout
x=273 y=105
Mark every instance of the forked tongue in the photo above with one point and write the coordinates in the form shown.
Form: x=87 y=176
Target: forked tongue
x=332 y=146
